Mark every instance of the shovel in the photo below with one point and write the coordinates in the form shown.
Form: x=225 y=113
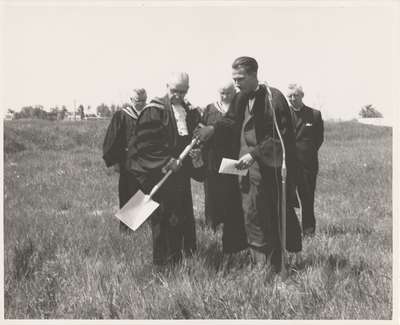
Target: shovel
x=141 y=206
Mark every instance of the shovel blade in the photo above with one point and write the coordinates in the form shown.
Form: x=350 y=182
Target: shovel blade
x=137 y=210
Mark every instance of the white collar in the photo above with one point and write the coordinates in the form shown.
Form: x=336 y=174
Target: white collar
x=220 y=107
x=131 y=111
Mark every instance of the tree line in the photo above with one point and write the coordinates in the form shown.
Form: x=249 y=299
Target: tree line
x=61 y=113
x=103 y=110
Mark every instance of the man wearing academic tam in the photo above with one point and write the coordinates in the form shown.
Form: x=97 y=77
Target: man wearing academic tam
x=257 y=146
x=163 y=130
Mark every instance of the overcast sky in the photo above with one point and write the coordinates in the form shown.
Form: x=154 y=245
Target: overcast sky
x=343 y=56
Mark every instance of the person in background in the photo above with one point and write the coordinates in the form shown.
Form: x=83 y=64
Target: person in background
x=115 y=146
x=251 y=119
x=221 y=192
x=163 y=130
x=309 y=134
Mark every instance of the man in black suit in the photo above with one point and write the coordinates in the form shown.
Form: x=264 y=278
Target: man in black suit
x=309 y=134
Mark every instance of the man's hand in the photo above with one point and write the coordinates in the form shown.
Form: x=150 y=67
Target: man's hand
x=204 y=133
x=197 y=159
x=245 y=162
x=173 y=164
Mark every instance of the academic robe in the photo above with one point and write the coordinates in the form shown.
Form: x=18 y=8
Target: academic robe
x=221 y=192
x=115 y=148
x=156 y=141
x=309 y=136
x=261 y=194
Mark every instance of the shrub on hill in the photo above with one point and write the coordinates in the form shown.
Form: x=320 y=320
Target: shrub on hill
x=368 y=111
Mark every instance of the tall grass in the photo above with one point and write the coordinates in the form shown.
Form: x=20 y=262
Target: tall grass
x=65 y=258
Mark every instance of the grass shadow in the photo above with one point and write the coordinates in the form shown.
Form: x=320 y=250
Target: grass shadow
x=332 y=230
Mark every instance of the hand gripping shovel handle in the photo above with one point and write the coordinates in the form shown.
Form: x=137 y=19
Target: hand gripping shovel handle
x=180 y=159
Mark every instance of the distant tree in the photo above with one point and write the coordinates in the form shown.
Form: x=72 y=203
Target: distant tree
x=10 y=114
x=26 y=112
x=103 y=110
x=36 y=111
x=113 y=109
x=63 y=112
x=81 y=111
x=53 y=114
x=369 y=111
x=39 y=112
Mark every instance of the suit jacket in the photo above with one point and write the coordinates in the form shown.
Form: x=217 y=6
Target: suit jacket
x=309 y=135
x=268 y=151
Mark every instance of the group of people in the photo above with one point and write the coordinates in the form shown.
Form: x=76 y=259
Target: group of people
x=248 y=123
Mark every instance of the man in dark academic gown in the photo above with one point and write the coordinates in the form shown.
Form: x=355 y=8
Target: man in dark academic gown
x=222 y=198
x=309 y=133
x=163 y=130
x=259 y=150
x=115 y=146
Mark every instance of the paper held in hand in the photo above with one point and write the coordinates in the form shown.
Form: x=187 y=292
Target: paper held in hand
x=228 y=167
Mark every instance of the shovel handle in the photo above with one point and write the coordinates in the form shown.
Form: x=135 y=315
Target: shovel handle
x=187 y=149
x=181 y=157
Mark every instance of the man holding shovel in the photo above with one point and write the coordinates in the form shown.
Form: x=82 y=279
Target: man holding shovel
x=163 y=130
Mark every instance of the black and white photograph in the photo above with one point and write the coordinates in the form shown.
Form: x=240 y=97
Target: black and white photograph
x=200 y=160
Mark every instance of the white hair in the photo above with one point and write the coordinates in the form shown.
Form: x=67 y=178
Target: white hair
x=178 y=78
x=139 y=93
x=227 y=85
x=296 y=87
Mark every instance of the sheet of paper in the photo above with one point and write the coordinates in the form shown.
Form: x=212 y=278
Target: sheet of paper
x=228 y=167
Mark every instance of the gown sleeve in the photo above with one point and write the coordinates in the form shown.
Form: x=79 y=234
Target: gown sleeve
x=113 y=146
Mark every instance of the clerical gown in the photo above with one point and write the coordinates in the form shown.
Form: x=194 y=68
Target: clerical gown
x=255 y=133
x=115 y=148
x=156 y=141
x=221 y=192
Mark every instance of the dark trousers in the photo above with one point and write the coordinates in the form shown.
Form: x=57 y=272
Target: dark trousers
x=261 y=205
x=223 y=205
x=172 y=237
x=127 y=187
x=306 y=184
x=173 y=224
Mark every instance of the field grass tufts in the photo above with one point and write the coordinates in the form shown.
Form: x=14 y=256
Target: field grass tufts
x=65 y=258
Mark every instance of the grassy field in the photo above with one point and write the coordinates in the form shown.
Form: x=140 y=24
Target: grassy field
x=65 y=258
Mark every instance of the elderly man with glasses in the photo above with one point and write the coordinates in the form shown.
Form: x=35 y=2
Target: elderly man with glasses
x=164 y=129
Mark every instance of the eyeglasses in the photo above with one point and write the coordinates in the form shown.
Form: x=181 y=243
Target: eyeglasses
x=178 y=91
x=138 y=100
